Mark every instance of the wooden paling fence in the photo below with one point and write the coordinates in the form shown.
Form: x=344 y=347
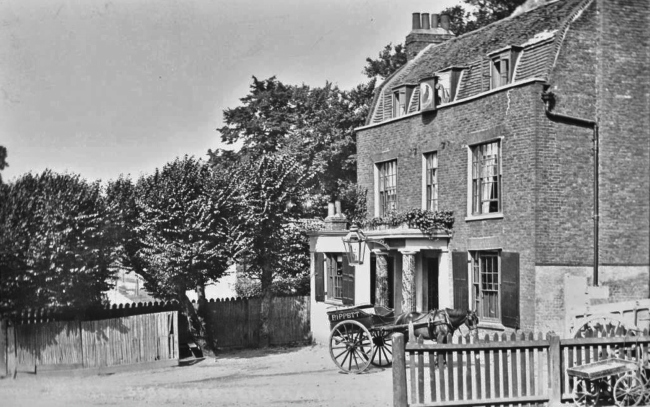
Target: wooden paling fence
x=507 y=369
x=66 y=345
x=235 y=322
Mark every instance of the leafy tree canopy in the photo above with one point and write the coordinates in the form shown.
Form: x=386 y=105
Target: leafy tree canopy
x=3 y=160
x=314 y=125
x=390 y=59
x=55 y=248
x=184 y=227
x=474 y=14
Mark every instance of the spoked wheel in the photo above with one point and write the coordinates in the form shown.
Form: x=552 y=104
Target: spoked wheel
x=628 y=390
x=351 y=346
x=382 y=349
x=585 y=393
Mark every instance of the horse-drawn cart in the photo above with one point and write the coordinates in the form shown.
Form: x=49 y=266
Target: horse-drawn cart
x=361 y=336
x=595 y=379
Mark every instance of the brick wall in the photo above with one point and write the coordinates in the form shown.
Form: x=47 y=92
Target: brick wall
x=565 y=234
x=512 y=114
x=601 y=74
x=624 y=117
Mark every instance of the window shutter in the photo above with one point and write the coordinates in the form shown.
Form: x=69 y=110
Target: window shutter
x=319 y=279
x=347 y=294
x=461 y=291
x=510 y=290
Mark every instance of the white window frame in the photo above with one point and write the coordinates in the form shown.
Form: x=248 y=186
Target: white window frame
x=425 y=185
x=492 y=215
x=477 y=286
x=329 y=279
x=378 y=204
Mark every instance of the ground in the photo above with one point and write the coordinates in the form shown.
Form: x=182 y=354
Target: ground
x=304 y=376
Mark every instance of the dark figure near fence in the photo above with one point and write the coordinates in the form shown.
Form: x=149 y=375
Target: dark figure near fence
x=438 y=322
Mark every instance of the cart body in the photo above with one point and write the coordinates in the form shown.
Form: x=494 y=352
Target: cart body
x=361 y=336
x=596 y=378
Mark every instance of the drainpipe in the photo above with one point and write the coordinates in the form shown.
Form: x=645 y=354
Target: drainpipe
x=549 y=100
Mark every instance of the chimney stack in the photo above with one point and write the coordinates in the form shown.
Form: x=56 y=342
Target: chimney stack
x=335 y=219
x=426 y=25
x=426 y=31
x=416 y=21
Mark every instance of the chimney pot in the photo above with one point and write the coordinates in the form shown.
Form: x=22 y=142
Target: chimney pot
x=426 y=25
x=434 y=20
x=337 y=207
x=330 y=209
x=444 y=22
x=416 y=21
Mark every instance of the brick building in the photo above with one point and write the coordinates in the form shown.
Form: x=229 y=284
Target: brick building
x=498 y=126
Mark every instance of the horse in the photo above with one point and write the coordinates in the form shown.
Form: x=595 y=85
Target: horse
x=439 y=322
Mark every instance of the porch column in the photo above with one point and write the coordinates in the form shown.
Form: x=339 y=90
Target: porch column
x=408 y=281
x=381 y=279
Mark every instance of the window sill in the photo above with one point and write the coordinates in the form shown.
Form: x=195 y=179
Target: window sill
x=333 y=302
x=484 y=217
x=491 y=326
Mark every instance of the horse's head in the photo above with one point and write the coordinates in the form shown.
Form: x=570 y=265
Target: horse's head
x=471 y=320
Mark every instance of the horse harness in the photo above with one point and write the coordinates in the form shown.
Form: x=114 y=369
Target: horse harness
x=433 y=323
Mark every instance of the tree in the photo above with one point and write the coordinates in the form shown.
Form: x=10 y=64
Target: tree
x=482 y=13
x=123 y=212
x=187 y=235
x=54 y=245
x=267 y=187
x=3 y=160
x=390 y=59
x=290 y=277
x=314 y=125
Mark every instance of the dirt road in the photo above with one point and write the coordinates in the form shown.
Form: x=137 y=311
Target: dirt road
x=276 y=377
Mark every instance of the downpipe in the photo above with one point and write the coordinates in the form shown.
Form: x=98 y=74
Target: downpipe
x=549 y=101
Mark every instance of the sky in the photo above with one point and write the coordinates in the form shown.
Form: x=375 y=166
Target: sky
x=123 y=87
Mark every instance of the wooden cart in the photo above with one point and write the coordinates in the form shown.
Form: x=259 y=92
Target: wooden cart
x=592 y=380
x=357 y=338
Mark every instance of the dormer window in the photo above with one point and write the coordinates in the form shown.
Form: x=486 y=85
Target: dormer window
x=502 y=66
x=401 y=98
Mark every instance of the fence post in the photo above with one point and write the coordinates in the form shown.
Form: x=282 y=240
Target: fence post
x=12 y=351
x=555 y=370
x=399 y=372
x=84 y=355
x=3 y=347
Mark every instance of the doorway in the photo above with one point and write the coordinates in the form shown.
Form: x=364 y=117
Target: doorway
x=431 y=268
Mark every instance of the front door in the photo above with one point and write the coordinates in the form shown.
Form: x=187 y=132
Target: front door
x=432 y=283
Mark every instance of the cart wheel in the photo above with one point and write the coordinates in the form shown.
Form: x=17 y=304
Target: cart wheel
x=382 y=350
x=350 y=346
x=628 y=390
x=585 y=393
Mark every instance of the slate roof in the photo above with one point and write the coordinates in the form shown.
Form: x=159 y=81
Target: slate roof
x=539 y=32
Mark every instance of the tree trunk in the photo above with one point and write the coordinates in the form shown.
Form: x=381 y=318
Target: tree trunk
x=265 y=307
x=196 y=323
x=205 y=320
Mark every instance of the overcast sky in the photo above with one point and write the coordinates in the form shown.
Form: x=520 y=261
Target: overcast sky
x=104 y=88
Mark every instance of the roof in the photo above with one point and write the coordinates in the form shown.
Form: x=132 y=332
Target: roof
x=538 y=32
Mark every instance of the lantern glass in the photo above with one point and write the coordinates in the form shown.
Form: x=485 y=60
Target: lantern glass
x=355 y=246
